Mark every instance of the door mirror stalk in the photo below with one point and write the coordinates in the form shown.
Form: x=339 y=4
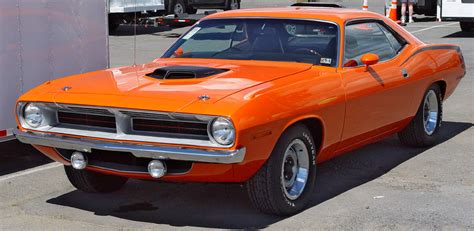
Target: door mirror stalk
x=369 y=59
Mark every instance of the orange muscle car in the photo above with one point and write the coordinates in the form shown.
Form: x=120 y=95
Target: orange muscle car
x=259 y=96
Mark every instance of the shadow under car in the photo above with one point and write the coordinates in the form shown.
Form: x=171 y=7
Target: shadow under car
x=227 y=206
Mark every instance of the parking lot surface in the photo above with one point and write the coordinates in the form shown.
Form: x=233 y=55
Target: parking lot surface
x=380 y=186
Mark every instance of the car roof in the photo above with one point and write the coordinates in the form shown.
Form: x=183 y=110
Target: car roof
x=337 y=15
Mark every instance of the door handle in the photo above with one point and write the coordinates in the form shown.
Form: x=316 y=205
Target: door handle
x=405 y=73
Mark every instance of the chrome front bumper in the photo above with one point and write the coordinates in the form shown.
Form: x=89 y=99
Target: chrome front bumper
x=143 y=151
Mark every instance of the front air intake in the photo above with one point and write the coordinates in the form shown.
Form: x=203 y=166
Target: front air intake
x=185 y=72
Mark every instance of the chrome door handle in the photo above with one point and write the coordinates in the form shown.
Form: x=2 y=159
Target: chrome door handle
x=405 y=73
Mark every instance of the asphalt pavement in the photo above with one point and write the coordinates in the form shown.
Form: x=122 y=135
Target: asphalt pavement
x=380 y=186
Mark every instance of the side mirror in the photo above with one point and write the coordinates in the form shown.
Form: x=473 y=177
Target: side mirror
x=369 y=59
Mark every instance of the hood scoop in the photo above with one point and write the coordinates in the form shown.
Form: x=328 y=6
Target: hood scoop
x=185 y=72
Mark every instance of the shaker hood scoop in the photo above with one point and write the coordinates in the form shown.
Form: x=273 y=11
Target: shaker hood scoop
x=185 y=72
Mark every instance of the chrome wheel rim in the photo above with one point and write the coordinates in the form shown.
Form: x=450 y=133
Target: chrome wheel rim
x=234 y=5
x=430 y=112
x=178 y=9
x=294 y=170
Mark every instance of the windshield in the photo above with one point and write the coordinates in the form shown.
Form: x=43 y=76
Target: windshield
x=286 y=40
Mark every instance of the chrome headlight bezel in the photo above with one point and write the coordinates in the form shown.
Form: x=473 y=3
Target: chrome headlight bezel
x=27 y=120
x=225 y=140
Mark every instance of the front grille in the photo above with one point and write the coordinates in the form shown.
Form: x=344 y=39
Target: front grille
x=171 y=127
x=91 y=120
x=129 y=125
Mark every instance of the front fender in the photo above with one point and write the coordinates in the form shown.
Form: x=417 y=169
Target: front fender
x=265 y=111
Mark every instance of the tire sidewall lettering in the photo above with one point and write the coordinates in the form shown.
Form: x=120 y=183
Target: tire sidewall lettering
x=306 y=138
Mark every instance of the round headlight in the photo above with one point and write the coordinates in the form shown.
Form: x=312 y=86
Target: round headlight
x=223 y=131
x=32 y=115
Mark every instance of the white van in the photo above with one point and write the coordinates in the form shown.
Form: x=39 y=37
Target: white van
x=459 y=10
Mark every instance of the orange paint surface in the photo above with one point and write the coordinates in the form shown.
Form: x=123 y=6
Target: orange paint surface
x=355 y=105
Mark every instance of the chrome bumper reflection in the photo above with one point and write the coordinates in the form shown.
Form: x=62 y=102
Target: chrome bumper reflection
x=144 y=151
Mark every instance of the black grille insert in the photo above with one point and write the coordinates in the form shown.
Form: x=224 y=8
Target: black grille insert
x=171 y=127
x=90 y=120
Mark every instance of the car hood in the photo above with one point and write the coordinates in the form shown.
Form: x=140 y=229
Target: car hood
x=130 y=87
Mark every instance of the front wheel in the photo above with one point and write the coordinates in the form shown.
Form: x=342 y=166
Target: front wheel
x=423 y=130
x=93 y=182
x=283 y=186
x=177 y=7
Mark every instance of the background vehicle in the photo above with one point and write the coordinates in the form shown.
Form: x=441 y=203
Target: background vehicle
x=422 y=7
x=191 y=6
x=459 y=10
x=122 y=12
x=38 y=45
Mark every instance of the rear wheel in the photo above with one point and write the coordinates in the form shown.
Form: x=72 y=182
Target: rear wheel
x=233 y=5
x=93 y=182
x=423 y=130
x=283 y=186
x=466 y=26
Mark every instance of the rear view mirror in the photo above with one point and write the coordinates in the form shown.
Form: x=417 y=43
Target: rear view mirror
x=369 y=59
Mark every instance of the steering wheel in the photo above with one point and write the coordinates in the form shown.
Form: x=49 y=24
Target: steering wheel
x=308 y=51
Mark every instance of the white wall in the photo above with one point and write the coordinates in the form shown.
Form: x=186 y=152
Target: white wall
x=48 y=39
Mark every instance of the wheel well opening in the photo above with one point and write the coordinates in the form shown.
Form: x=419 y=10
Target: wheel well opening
x=316 y=128
x=442 y=86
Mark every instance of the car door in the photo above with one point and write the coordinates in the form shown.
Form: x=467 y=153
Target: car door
x=377 y=101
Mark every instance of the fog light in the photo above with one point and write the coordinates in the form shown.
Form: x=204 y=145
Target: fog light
x=156 y=168
x=78 y=161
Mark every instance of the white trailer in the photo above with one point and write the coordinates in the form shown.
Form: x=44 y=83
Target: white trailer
x=45 y=40
x=129 y=6
x=461 y=11
x=129 y=11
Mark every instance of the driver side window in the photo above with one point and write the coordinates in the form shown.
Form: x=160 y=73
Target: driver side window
x=363 y=38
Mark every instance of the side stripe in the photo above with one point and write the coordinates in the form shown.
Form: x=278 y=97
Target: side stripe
x=433 y=47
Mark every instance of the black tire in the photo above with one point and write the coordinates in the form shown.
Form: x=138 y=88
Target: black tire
x=173 y=7
x=230 y=4
x=266 y=189
x=466 y=26
x=93 y=182
x=415 y=134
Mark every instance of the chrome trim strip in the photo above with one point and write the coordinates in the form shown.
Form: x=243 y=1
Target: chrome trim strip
x=145 y=151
